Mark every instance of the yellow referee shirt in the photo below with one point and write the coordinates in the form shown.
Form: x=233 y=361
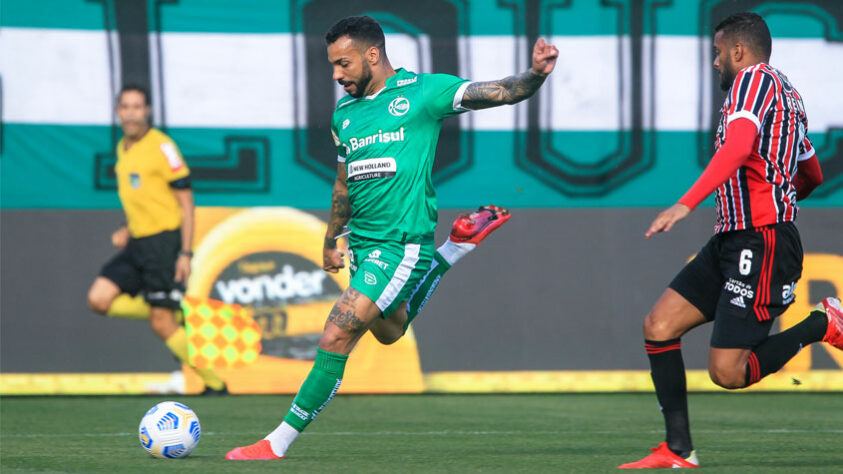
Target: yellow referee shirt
x=144 y=173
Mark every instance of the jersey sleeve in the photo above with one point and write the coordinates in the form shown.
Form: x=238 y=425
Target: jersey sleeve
x=806 y=150
x=174 y=167
x=342 y=152
x=751 y=96
x=443 y=94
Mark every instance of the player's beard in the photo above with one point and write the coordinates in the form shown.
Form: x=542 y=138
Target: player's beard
x=361 y=84
x=727 y=76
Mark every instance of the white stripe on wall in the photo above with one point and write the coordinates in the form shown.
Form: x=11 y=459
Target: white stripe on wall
x=815 y=69
x=55 y=76
x=236 y=80
x=247 y=80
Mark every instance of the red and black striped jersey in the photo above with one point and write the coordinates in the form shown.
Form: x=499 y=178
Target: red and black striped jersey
x=761 y=192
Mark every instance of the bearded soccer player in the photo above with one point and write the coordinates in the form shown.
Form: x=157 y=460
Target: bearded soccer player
x=386 y=130
x=153 y=183
x=744 y=277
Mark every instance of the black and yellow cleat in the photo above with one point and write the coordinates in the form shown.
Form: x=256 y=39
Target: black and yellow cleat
x=213 y=392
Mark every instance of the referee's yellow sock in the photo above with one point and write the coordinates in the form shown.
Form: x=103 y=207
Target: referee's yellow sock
x=178 y=345
x=128 y=307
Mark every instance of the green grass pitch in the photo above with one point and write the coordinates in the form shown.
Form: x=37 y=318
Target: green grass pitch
x=741 y=432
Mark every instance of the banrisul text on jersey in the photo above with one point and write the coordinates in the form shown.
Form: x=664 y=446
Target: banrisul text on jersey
x=387 y=142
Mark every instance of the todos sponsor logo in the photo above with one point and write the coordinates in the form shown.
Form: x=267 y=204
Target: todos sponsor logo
x=739 y=288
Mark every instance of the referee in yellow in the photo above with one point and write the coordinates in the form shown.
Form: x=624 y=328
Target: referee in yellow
x=156 y=243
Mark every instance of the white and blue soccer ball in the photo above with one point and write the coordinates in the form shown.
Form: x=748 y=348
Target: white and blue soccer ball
x=169 y=430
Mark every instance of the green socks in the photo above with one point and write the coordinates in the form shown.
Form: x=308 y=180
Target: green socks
x=318 y=389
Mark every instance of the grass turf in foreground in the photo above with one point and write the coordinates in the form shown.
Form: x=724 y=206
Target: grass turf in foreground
x=748 y=432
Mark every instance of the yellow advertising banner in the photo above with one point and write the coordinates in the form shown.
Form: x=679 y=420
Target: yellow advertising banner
x=267 y=263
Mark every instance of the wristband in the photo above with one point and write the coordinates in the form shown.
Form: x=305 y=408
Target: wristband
x=186 y=253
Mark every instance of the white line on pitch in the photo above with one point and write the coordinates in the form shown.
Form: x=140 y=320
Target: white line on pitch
x=429 y=433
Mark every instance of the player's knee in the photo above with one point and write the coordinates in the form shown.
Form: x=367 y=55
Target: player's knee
x=658 y=328
x=162 y=322
x=98 y=303
x=334 y=340
x=387 y=337
x=727 y=378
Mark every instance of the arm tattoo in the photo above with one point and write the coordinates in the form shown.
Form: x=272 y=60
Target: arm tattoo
x=342 y=314
x=340 y=214
x=509 y=90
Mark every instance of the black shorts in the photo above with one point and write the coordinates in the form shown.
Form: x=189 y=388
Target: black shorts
x=743 y=280
x=148 y=266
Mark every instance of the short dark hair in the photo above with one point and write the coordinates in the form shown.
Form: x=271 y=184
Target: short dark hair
x=362 y=29
x=751 y=30
x=135 y=88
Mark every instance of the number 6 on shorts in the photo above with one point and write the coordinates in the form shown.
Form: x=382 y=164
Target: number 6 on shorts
x=745 y=263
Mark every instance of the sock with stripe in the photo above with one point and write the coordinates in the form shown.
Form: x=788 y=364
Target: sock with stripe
x=668 y=372
x=772 y=354
x=315 y=393
x=445 y=257
x=177 y=343
x=128 y=307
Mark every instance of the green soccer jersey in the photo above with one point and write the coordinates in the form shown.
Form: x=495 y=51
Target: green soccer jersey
x=387 y=141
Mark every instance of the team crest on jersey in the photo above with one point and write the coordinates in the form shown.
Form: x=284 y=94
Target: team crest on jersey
x=135 y=181
x=399 y=106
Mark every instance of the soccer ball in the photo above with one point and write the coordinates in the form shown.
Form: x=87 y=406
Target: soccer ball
x=169 y=430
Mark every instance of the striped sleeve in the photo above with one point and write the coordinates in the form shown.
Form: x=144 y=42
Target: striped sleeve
x=806 y=150
x=751 y=96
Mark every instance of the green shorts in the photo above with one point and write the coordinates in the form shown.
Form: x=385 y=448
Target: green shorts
x=388 y=271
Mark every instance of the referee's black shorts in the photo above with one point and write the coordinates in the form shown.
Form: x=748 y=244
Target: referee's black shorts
x=148 y=266
x=743 y=280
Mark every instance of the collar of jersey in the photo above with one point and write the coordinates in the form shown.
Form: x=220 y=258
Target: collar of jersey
x=393 y=78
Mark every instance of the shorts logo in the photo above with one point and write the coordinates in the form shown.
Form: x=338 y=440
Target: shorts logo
x=370 y=278
x=739 y=288
x=135 y=181
x=787 y=293
x=399 y=106
x=738 y=301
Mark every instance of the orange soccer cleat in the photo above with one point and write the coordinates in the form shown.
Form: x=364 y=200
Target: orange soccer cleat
x=834 y=313
x=258 y=451
x=473 y=228
x=662 y=456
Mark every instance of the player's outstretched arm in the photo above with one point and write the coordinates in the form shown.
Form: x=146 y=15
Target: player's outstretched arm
x=340 y=214
x=513 y=89
x=728 y=158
